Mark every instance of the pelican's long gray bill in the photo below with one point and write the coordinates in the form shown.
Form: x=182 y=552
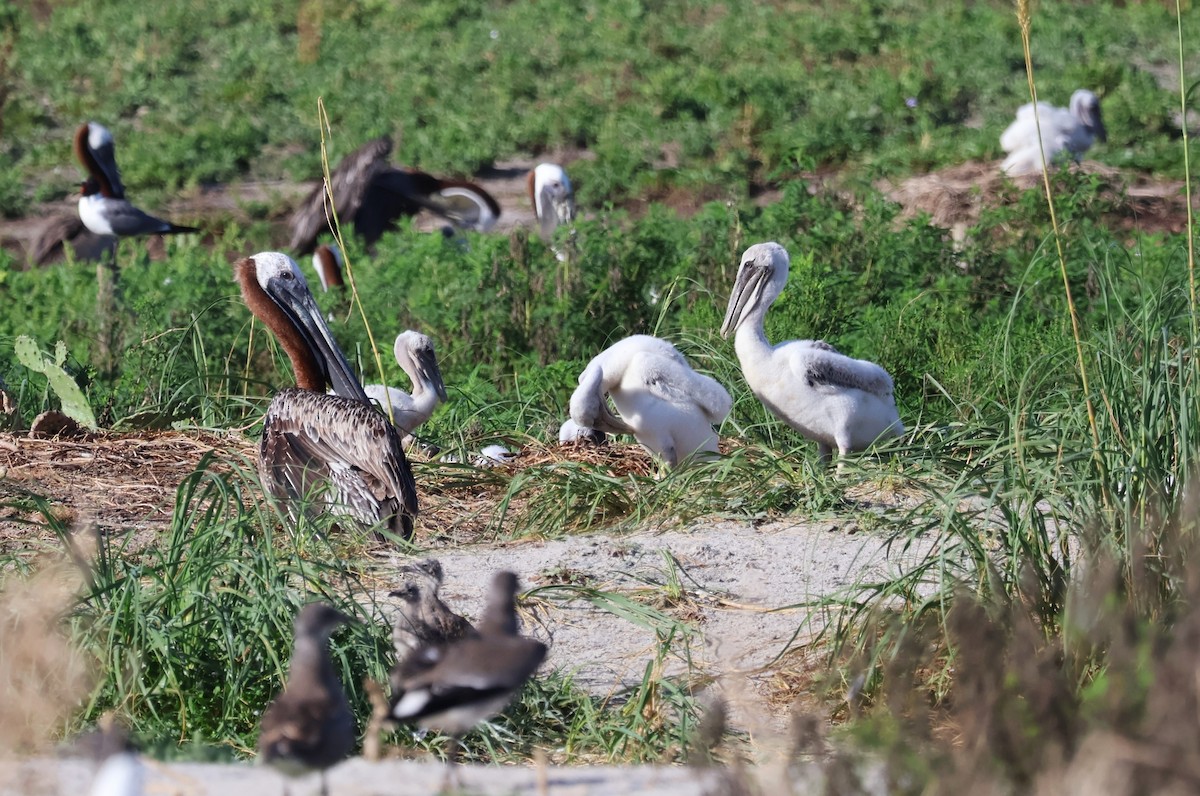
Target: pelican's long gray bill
x=427 y=367
x=746 y=290
x=297 y=302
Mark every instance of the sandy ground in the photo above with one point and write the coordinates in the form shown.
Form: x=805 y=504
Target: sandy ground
x=737 y=595
x=745 y=596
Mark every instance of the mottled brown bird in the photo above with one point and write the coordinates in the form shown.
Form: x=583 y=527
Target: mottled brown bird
x=309 y=726
x=422 y=619
x=312 y=442
x=452 y=687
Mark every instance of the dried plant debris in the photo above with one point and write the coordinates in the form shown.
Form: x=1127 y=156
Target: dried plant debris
x=42 y=676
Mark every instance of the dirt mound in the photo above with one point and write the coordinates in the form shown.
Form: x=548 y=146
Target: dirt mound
x=954 y=197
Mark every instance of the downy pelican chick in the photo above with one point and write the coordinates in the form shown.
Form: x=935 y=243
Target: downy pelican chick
x=415 y=355
x=668 y=407
x=1066 y=133
x=835 y=400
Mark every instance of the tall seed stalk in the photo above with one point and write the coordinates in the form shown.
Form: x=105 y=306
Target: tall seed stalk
x=1187 y=172
x=336 y=227
x=1025 y=20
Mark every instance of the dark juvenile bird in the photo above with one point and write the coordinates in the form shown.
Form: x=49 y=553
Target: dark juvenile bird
x=452 y=687
x=103 y=207
x=422 y=620
x=313 y=441
x=309 y=726
x=373 y=195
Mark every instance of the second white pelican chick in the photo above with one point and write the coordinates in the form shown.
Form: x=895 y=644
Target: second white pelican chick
x=1065 y=133
x=416 y=357
x=837 y=401
x=668 y=407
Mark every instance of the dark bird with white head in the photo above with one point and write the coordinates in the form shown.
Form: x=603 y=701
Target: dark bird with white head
x=315 y=441
x=374 y=195
x=103 y=207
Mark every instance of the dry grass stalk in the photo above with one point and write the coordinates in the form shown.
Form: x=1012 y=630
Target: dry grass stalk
x=43 y=678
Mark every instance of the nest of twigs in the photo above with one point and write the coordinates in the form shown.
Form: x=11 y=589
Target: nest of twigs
x=114 y=480
x=127 y=482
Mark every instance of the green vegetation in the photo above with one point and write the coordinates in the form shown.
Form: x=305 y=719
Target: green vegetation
x=1063 y=515
x=725 y=99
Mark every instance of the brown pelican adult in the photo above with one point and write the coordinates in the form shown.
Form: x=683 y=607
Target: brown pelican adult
x=415 y=356
x=668 y=407
x=837 y=401
x=1066 y=133
x=373 y=195
x=312 y=440
x=102 y=205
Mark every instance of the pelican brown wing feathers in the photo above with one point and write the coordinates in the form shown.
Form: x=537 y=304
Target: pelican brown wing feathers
x=313 y=441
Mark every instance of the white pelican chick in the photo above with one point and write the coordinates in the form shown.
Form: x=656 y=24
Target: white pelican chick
x=312 y=439
x=416 y=357
x=1066 y=133
x=552 y=197
x=833 y=399
x=668 y=407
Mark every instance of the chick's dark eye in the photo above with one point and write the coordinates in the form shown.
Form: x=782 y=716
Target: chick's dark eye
x=288 y=275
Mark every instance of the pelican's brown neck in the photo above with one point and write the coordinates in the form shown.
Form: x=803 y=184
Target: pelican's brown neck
x=84 y=153
x=531 y=187
x=304 y=363
x=331 y=272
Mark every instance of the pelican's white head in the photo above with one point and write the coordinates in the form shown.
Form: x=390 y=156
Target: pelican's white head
x=271 y=265
x=760 y=279
x=99 y=136
x=1085 y=106
x=553 y=196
